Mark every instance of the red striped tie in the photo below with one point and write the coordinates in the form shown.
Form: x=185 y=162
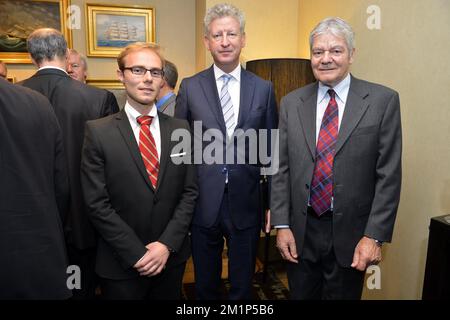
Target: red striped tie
x=148 y=149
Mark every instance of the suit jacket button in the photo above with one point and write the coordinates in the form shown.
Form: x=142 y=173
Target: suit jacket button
x=155 y=200
x=307 y=186
x=224 y=170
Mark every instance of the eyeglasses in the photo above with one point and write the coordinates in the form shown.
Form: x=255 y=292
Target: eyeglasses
x=141 y=71
x=218 y=37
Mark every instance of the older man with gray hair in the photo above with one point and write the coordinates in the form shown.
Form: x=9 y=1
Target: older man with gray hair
x=77 y=68
x=335 y=196
x=74 y=103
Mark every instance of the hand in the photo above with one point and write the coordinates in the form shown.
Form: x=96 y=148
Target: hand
x=267 y=225
x=154 y=260
x=367 y=252
x=286 y=245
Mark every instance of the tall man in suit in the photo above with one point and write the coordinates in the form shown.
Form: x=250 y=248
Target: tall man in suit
x=34 y=194
x=138 y=199
x=74 y=103
x=335 y=197
x=226 y=97
x=77 y=68
x=166 y=97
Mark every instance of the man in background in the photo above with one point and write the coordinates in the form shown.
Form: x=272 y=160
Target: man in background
x=74 y=103
x=34 y=195
x=166 y=97
x=77 y=69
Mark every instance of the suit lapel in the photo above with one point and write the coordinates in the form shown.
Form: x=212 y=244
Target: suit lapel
x=208 y=84
x=246 y=97
x=355 y=108
x=307 y=115
x=165 y=146
x=167 y=103
x=128 y=136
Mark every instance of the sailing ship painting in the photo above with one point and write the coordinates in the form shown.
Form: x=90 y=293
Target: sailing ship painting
x=119 y=31
x=19 y=18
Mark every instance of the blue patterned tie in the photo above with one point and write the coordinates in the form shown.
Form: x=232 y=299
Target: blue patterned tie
x=227 y=105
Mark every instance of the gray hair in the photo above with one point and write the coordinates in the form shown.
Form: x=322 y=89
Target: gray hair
x=223 y=10
x=337 y=27
x=83 y=58
x=170 y=74
x=46 y=44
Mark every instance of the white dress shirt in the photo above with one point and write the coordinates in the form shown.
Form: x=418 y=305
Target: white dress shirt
x=132 y=115
x=234 y=88
x=52 y=67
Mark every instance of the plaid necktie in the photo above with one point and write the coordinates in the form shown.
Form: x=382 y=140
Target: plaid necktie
x=227 y=105
x=148 y=149
x=322 y=182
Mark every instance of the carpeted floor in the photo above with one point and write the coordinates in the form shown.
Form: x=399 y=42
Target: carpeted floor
x=271 y=289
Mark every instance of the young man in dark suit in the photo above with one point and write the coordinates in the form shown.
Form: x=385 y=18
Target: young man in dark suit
x=227 y=99
x=74 y=103
x=139 y=200
x=34 y=194
x=335 y=197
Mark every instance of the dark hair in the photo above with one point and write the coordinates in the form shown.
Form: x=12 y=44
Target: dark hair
x=170 y=74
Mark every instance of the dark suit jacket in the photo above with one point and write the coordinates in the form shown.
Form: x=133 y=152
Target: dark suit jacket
x=112 y=102
x=123 y=206
x=169 y=106
x=367 y=165
x=74 y=103
x=34 y=192
x=198 y=100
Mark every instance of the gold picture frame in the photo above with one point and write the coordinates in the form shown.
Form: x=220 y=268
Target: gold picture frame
x=19 y=18
x=105 y=83
x=111 y=28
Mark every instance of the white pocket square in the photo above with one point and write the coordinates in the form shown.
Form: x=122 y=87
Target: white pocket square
x=178 y=154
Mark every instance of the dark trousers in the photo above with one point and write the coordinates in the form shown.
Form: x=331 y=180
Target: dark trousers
x=164 y=286
x=85 y=260
x=317 y=274
x=207 y=247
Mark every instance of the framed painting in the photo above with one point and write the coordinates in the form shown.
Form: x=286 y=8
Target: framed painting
x=18 y=18
x=111 y=28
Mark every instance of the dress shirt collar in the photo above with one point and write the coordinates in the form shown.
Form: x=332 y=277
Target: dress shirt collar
x=161 y=101
x=52 y=67
x=133 y=114
x=235 y=74
x=341 y=90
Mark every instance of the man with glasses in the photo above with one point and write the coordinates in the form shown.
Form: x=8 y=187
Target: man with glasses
x=77 y=68
x=139 y=200
x=226 y=98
